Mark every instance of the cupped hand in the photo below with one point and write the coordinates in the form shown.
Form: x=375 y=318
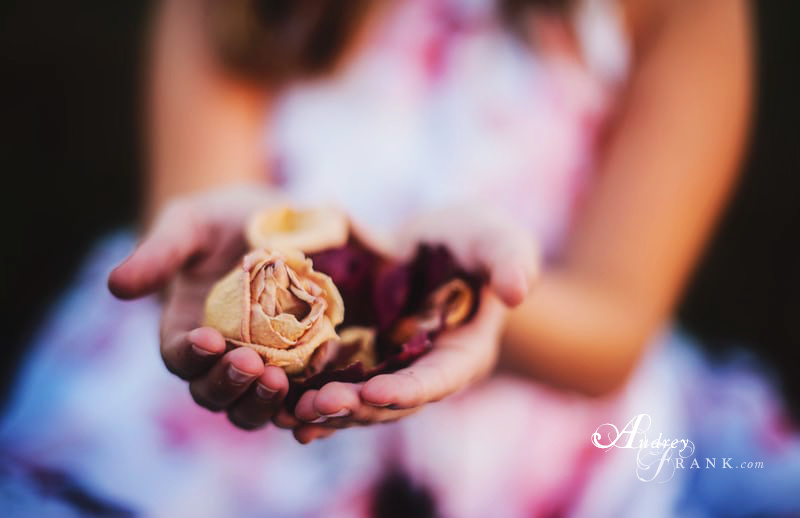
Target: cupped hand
x=481 y=240
x=195 y=241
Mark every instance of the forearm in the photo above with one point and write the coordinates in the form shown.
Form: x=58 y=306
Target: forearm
x=204 y=128
x=575 y=334
x=670 y=162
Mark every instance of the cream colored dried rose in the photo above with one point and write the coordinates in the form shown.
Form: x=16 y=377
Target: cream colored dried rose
x=276 y=304
x=309 y=231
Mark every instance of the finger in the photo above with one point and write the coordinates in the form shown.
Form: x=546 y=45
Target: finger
x=335 y=399
x=446 y=371
x=510 y=258
x=365 y=415
x=285 y=419
x=457 y=359
x=228 y=379
x=338 y=405
x=191 y=354
x=264 y=397
x=306 y=433
x=186 y=349
x=176 y=237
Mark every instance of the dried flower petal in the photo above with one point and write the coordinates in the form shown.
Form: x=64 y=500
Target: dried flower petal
x=307 y=231
x=277 y=305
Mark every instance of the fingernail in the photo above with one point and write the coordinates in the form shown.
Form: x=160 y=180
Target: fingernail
x=341 y=413
x=320 y=419
x=199 y=351
x=379 y=405
x=267 y=394
x=237 y=376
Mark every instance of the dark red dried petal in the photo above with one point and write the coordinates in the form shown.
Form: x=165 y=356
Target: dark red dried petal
x=352 y=269
x=390 y=294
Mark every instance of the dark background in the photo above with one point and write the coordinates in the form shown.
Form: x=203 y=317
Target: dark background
x=70 y=77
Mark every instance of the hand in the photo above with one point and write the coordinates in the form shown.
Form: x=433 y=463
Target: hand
x=194 y=242
x=480 y=240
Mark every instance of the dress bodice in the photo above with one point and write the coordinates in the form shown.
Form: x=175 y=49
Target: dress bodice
x=443 y=106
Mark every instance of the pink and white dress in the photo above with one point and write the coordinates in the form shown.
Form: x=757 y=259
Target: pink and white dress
x=443 y=106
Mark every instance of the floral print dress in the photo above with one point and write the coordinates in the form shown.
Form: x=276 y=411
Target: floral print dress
x=443 y=106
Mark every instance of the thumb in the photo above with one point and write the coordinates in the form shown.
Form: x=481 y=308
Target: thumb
x=176 y=237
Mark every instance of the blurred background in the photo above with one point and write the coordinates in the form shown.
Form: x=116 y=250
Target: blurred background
x=71 y=153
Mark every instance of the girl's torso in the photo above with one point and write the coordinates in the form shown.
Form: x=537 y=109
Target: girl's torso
x=442 y=105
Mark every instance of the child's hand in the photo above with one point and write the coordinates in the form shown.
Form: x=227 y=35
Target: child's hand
x=194 y=242
x=479 y=240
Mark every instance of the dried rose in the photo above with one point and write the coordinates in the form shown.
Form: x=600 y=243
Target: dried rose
x=306 y=230
x=276 y=304
x=446 y=308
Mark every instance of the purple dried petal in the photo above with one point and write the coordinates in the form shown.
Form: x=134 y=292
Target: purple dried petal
x=431 y=267
x=352 y=268
x=406 y=353
x=390 y=293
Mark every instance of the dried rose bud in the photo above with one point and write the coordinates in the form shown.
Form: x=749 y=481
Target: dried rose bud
x=306 y=230
x=446 y=308
x=276 y=304
x=454 y=301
